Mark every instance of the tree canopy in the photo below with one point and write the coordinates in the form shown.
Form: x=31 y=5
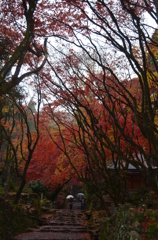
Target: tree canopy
x=96 y=63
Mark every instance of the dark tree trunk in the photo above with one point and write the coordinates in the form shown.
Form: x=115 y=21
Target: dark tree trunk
x=18 y=194
x=103 y=205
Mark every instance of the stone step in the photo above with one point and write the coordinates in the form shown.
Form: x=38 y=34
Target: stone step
x=55 y=223
x=61 y=225
x=62 y=229
x=69 y=216
x=51 y=236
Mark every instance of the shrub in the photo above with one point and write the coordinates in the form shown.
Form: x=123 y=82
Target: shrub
x=37 y=186
x=13 y=220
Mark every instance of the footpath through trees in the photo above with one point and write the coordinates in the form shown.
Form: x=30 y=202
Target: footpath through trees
x=62 y=224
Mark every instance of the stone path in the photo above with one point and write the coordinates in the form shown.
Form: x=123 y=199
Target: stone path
x=63 y=224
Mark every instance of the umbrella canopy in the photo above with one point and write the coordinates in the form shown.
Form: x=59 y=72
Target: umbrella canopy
x=80 y=194
x=69 y=196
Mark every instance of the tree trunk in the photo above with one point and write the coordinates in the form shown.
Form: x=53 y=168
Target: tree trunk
x=9 y=167
x=103 y=205
x=156 y=5
x=152 y=180
x=18 y=194
x=7 y=187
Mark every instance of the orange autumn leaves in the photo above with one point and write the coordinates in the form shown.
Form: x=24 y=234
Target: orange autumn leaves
x=49 y=163
x=61 y=148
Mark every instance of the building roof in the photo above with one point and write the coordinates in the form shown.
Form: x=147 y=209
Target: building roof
x=131 y=168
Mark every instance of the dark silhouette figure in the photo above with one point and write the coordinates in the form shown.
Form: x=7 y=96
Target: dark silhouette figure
x=82 y=203
x=71 y=203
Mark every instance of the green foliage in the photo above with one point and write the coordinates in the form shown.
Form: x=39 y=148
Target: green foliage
x=152 y=231
x=150 y=224
x=27 y=189
x=127 y=217
x=13 y=220
x=36 y=204
x=139 y=216
x=142 y=196
x=92 y=201
x=116 y=227
x=13 y=187
x=1 y=190
x=37 y=186
x=151 y=214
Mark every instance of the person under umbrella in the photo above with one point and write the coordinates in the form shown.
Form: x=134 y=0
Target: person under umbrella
x=71 y=203
x=70 y=197
x=82 y=203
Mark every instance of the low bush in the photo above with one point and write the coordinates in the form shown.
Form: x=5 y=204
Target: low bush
x=13 y=220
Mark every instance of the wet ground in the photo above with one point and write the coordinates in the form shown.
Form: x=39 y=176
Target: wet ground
x=62 y=224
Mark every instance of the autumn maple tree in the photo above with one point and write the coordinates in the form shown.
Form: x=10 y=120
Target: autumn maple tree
x=100 y=75
x=20 y=130
x=95 y=69
x=17 y=34
x=88 y=138
x=48 y=163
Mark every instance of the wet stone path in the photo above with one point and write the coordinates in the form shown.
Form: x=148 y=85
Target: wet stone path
x=63 y=224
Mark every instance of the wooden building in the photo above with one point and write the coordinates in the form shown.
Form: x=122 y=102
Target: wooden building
x=134 y=177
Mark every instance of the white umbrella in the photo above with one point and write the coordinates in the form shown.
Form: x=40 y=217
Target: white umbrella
x=80 y=194
x=69 y=196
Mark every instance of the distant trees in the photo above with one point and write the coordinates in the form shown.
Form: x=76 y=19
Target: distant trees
x=48 y=163
x=19 y=140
